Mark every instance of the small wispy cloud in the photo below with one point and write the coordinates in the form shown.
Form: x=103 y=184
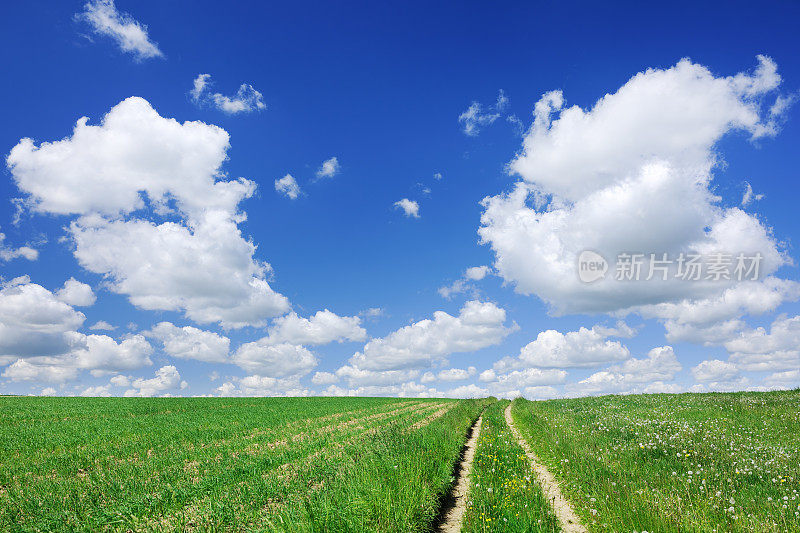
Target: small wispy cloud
x=130 y=35
x=246 y=100
x=329 y=168
x=748 y=197
x=474 y=119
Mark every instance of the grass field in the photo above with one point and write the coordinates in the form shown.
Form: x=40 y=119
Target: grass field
x=691 y=462
x=504 y=494
x=664 y=463
x=227 y=464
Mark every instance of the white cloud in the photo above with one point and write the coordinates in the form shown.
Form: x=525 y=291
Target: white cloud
x=607 y=178
x=634 y=376
x=574 y=349
x=191 y=343
x=477 y=273
x=456 y=374
x=478 y=325
x=130 y=35
x=7 y=253
x=166 y=378
x=474 y=119
x=200 y=264
x=246 y=99
x=102 y=325
x=102 y=354
x=34 y=323
x=321 y=328
x=748 y=197
x=76 y=293
x=329 y=168
x=756 y=349
x=324 y=378
x=120 y=381
x=359 y=377
x=464 y=284
x=437 y=176
x=99 y=390
x=274 y=360
x=263 y=386
x=410 y=207
x=22 y=370
x=288 y=187
x=48 y=391
x=715 y=370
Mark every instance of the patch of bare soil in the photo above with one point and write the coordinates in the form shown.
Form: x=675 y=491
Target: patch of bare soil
x=569 y=521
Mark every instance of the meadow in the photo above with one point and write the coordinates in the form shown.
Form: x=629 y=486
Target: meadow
x=665 y=463
x=258 y=464
x=688 y=462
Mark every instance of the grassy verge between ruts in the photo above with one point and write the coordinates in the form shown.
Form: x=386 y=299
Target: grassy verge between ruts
x=670 y=463
x=504 y=495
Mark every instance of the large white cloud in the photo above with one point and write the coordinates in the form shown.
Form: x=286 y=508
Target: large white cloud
x=38 y=332
x=478 y=325
x=198 y=261
x=35 y=323
x=321 y=328
x=274 y=360
x=582 y=348
x=632 y=174
x=651 y=374
x=192 y=343
x=757 y=349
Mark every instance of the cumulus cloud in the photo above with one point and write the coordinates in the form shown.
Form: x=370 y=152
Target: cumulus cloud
x=34 y=323
x=76 y=293
x=478 y=325
x=410 y=207
x=167 y=378
x=130 y=35
x=635 y=376
x=329 y=168
x=274 y=360
x=246 y=99
x=757 y=349
x=198 y=262
x=715 y=370
x=263 y=386
x=191 y=343
x=605 y=179
x=574 y=349
x=288 y=187
x=38 y=331
x=321 y=328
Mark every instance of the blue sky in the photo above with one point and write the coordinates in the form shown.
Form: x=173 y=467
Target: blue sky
x=381 y=88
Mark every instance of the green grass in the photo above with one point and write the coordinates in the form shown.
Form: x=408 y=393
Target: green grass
x=257 y=464
x=689 y=462
x=504 y=494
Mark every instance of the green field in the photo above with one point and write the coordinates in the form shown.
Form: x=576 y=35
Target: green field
x=227 y=464
x=692 y=462
x=689 y=462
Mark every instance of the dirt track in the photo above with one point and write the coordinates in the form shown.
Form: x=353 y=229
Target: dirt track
x=569 y=521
